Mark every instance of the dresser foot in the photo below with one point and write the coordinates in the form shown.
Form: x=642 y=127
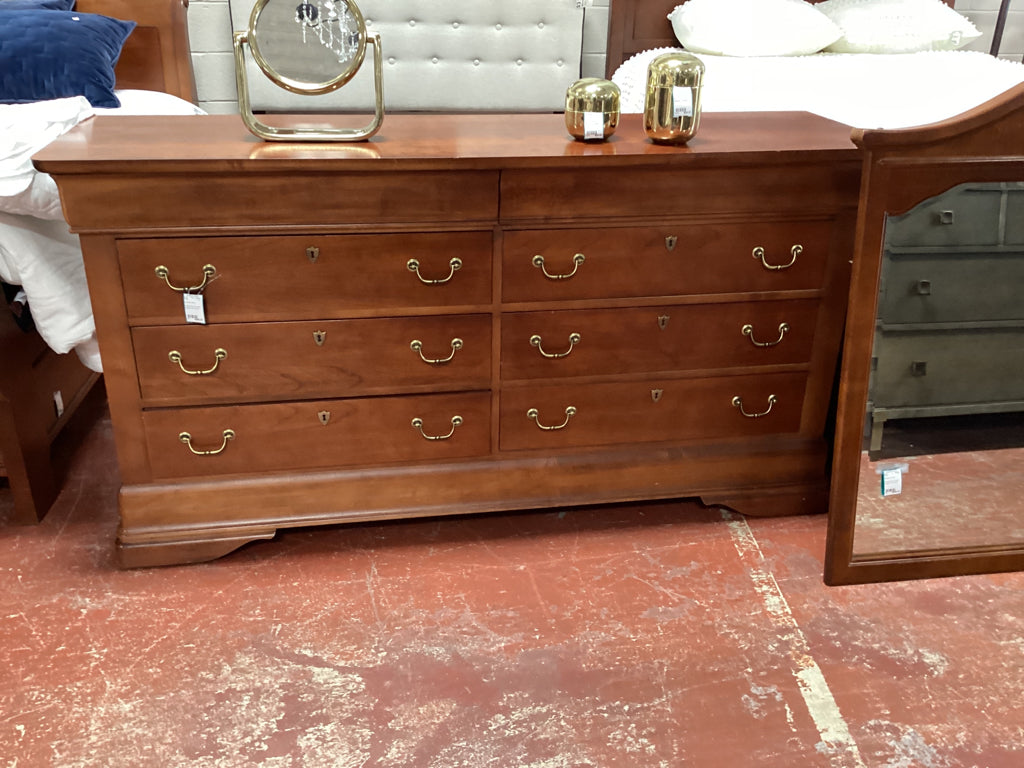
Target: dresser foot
x=804 y=501
x=146 y=554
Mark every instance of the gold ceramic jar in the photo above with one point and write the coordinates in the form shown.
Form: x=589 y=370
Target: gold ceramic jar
x=592 y=109
x=672 y=102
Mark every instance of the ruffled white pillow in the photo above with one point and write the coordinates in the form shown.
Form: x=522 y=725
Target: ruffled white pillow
x=897 y=26
x=752 y=27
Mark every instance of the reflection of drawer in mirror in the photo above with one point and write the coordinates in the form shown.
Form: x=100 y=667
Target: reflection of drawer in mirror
x=317 y=434
x=965 y=215
x=313 y=359
x=951 y=287
x=1015 y=214
x=660 y=338
x=668 y=408
x=546 y=265
x=948 y=367
x=304 y=277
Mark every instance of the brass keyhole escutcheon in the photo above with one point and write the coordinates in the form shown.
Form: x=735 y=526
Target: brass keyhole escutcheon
x=663 y=321
x=670 y=242
x=319 y=337
x=656 y=394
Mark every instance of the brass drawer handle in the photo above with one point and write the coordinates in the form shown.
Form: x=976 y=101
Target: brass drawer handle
x=164 y=273
x=418 y=424
x=417 y=346
x=538 y=261
x=795 y=251
x=738 y=403
x=218 y=354
x=748 y=331
x=455 y=264
x=534 y=414
x=574 y=339
x=186 y=438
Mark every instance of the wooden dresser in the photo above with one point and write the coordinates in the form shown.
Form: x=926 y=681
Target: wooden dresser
x=467 y=314
x=949 y=339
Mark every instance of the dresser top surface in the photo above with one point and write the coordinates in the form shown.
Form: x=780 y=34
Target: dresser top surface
x=211 y=143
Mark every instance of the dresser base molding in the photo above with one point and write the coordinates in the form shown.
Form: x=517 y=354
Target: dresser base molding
x=190 y=522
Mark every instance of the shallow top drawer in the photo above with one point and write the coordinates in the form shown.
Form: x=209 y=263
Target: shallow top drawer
x=303 y=277
x=962 y=216
x=546 y=265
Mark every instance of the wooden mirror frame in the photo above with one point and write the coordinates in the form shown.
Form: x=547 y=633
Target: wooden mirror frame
x=901 y=168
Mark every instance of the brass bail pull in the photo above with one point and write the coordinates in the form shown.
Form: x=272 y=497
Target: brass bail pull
x=538 y=261
x=748 y=331
x=417 y=423
x=164 y=274
x=218 y=354
x=417 y=346
x=534 y=414
x=454 y=265
x=227 y=435
x=738 y=403
x=536 y=341
x=795 y=251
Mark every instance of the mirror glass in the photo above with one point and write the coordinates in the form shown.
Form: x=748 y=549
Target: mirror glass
x=942 y=460
x=311 y=46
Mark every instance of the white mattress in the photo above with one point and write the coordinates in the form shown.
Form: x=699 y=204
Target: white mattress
x=860 y=90
x=37 y=250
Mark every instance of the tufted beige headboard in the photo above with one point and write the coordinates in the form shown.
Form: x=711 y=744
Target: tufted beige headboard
x=439 y=55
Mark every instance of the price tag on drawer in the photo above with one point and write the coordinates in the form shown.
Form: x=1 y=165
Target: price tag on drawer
x=195 y=312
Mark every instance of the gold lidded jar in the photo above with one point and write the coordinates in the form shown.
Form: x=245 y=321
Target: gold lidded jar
x=592 y=109
x=672 y=100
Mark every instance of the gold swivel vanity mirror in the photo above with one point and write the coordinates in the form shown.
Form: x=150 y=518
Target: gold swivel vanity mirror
x=928 y=473
x=307 y=47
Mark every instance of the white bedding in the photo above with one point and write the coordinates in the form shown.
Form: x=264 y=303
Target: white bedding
x=37 y=250
x=860 y=90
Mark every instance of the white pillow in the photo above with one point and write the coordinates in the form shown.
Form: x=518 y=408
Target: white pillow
x=897 y=26
x=752 y=27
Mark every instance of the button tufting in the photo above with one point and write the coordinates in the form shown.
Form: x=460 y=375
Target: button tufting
x=455 y=25
x=559 y=62
x=434 y=60
x=540 y=25
x=476 y=62
x=519 y=62
x=497 y=26
x=391 y=59
x=412 y=22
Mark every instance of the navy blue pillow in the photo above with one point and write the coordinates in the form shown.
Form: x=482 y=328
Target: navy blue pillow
x=36 y=5
x=55 y=54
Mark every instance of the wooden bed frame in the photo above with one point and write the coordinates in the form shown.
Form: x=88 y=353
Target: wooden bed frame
x=155 y=57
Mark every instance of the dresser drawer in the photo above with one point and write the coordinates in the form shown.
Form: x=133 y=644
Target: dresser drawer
x=304 y=277
x=663 y=409
x=1015 y=214
x=333 y=358
x=317 y=434
x=962 y=216
x=948 y=367
x=951 y=287
x=550 y=265
x=664 y=338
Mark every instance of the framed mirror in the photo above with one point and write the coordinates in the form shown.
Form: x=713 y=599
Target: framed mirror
x=928 y=469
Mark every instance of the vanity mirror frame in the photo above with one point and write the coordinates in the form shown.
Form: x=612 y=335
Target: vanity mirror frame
x=902 y=168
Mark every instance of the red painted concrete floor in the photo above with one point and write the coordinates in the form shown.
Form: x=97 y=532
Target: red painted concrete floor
x=658 y=635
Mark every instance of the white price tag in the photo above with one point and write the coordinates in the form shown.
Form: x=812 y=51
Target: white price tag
x=195 y=312
x=682 y=101
x=892 y=482
x=593 y=125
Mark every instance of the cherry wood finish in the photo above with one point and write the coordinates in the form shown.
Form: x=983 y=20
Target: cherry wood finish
x=156 y=56
x=901 y=169
x=325 y=436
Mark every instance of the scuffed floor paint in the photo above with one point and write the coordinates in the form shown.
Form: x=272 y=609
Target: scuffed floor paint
x=659 y=635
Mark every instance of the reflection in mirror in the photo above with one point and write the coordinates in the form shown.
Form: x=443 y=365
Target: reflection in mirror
x=942 y=461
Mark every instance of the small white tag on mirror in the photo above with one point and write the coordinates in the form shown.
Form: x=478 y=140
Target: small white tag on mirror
x=682 y=101
x=892 y=480
x=593 y=125
x=195 y=312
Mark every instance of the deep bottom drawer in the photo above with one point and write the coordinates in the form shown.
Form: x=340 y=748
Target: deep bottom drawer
x=664 y=409
x=948 y=367
x=319 y=434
